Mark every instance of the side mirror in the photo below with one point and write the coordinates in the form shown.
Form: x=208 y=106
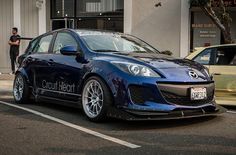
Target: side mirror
x=68 y=50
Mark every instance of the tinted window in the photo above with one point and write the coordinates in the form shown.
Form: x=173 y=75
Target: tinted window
x=32 y=45
x=99 y=7
x=62 y=8
x=204 y=57
x=44 y=44
x=62 y=40
x=225 y=56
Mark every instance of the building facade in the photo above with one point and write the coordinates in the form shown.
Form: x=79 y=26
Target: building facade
x=31 y=17
x=171 y=25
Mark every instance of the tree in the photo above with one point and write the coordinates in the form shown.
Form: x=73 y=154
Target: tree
x=216 y=10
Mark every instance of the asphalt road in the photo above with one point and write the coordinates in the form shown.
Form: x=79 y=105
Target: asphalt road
x=54 y=129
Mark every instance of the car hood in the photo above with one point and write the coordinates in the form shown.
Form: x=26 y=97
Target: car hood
x=161 y=61
x=166 y=65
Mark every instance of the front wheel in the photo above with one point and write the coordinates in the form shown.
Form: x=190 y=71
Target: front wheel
x=96 y=98
x=20 y=89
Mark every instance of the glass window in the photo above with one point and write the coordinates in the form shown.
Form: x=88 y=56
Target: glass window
x=204 y=57
x=109 y=42
x=62 y=8
x=62 y=40
x=99 y=7
x=225 y=56
x=44 y=44
x=111 y=23
x=31 y=46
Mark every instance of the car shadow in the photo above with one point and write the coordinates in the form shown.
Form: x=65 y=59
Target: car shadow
x=230 y=107
x=160 y=124
x=77 y=116
x=117 y=124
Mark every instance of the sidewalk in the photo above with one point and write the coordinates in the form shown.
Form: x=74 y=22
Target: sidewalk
x=6 y=84
x=6 y=77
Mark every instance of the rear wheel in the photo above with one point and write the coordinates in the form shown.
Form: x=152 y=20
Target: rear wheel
x=20 y=89
x=96 y=98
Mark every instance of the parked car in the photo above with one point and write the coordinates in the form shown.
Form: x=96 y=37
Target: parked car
x=113 y=74
x=221 y=62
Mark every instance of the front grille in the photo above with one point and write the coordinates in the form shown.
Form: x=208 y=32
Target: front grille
x=141 y=94
x=180 y=93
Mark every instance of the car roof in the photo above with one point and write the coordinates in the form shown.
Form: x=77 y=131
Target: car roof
x=198 y=50
x=80 y=32
x=215 y=46
x=83 y=31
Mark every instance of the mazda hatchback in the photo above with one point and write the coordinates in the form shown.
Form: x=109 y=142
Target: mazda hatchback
x=112 y=74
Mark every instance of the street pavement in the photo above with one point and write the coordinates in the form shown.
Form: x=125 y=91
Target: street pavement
x=44 y=128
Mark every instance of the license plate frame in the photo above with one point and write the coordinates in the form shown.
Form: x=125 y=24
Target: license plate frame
x=198 y=93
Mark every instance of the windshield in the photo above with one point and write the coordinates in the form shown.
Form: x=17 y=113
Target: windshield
x=108 y=42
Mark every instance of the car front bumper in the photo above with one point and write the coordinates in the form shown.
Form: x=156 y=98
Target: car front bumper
x=152 y=100
x=138 y=115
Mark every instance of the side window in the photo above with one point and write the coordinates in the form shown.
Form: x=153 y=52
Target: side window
x=31 y=46
x=225 y=56
x=44 y=44
x=204 y=57
x=62 y=40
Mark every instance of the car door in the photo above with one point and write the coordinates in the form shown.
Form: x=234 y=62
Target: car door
x=41 y=70
x=224 y=72
x=67 y=68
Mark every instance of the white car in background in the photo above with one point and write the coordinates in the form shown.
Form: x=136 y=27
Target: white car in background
x=221 y=62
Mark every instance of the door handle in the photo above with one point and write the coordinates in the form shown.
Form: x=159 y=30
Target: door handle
x=50 y=62
x=31 y=58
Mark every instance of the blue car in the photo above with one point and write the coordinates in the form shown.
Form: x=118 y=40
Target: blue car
x=112 y=74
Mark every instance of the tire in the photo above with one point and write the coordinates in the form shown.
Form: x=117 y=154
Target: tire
x=96 y=99
x=20 y=89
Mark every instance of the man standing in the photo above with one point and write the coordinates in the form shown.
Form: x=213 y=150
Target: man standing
x=14 y=43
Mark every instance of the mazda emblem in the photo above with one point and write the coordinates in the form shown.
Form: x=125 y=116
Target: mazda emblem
x=193 y=74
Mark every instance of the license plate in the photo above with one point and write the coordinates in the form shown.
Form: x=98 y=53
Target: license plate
x=198 y=93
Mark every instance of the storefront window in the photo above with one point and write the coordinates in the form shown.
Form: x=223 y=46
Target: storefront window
x=113 y=24
x=88 y=14
x=62 y=8
x=99 y=7
x=204 y=31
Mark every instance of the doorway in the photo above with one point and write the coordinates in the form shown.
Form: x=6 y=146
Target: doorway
x=62 y=23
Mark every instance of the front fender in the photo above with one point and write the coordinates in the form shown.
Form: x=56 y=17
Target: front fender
x=105 y=71
x=23 y=72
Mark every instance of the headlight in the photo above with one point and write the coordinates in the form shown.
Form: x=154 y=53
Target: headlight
x=135 y=69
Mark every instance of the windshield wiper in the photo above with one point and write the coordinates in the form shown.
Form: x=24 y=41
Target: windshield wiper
x=105 y=50
x=140 y=52
x=151 y=52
